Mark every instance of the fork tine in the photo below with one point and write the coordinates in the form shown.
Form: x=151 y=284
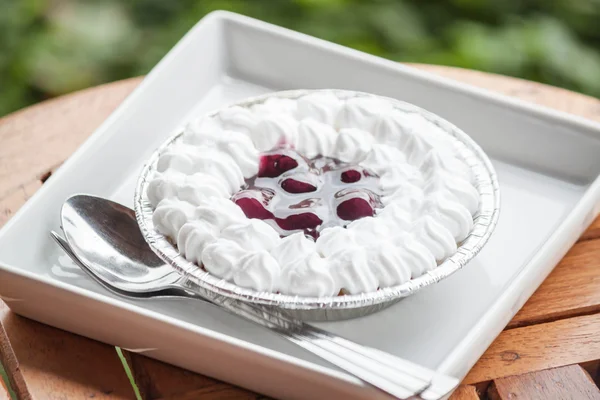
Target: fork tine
x=62 y=243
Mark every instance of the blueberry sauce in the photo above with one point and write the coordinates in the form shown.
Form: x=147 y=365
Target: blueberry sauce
x=292 y=193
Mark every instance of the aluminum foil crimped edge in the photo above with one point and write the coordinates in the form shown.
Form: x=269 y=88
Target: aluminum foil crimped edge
x=347 y=306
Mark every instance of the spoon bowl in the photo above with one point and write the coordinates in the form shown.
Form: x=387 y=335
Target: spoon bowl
x=99 y=230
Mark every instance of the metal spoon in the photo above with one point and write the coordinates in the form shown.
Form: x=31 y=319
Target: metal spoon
x=104 y=239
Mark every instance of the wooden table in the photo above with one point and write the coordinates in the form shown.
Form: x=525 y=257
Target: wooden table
x=550 y=350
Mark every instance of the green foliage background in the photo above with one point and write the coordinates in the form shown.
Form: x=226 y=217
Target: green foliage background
x=52 y=47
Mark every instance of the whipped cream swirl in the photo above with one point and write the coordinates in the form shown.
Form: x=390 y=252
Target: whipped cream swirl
x=308 y=276
x=315 y=138
x=190 y=160
x=320 y=106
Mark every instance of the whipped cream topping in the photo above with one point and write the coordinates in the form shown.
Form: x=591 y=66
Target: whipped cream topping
x=293 y=248
x=257 y=270
x=353 y=271
x=426 y=189
x=383 y=157
x=190 y=160
x=416 y=255
x=362 y=112
x=352 y=145
x=190 y=188
x=237 y=119
x=370 y=230
x=388 y=264
x=459 y=190
x=320 y=106
x=252 y=234
x=274 y=129
x=308 y=276
x=192 y=239
x=219 y=213
x=315 y=138
x=236 y=145
x=170 y=215
x=336 y=240
x=399 y=175
x=435 y=237
x=222 y=258
x=392 y=128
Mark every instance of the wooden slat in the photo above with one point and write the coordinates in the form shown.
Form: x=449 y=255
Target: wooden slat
x=538 y=347
x=37 y=139
x=157 y=380
x=570 y=382
x=593 y=369
x=223 y=392
x=4 y=395
x=47 y=363
x=593 y=232
x=572 y=289
x=465 y=392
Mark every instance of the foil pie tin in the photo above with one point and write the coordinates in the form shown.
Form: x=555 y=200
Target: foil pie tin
x=333 y=308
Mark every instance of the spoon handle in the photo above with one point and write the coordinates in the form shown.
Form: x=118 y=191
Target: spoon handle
x=396 y=376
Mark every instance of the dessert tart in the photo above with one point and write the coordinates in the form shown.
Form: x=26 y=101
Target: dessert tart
x=317 y=195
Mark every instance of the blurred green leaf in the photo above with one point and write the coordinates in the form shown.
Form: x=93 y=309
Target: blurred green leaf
x=483 y=48
x=51 y=47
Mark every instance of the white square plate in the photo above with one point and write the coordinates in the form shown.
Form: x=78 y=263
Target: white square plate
x=547 y=163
